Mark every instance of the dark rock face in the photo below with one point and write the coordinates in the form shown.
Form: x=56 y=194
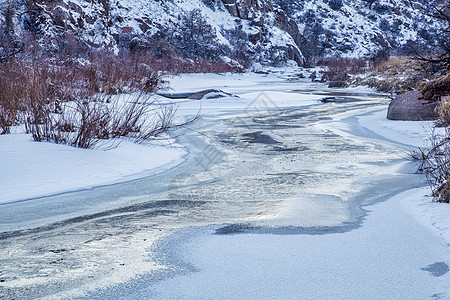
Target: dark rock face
x=288 y=25
x=411 y=106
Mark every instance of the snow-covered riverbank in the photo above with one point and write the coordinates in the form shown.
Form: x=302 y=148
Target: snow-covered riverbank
x=30 y=169
x=435 y=216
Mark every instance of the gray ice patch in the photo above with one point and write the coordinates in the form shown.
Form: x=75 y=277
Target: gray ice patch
x=437 y=269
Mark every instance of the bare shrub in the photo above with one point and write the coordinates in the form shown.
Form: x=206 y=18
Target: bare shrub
x=435 y=163
x=438 y=54
x=63 y=102
x=107 y=73
x=29 y=88
x=204 y=66
x=380 y=56
x=86 y=123
x=141 y=71
x=69 y=101
x=178 y=64
x=9 y=97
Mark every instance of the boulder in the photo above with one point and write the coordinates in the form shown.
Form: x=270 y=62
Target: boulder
x=210 y=94
x=255 y=37
x=339 y=81
x=411 y=106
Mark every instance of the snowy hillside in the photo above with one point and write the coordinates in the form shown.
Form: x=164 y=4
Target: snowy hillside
x=267 y=31
x=357 y=28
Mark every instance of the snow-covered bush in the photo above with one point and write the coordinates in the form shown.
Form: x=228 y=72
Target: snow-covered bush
x=239 y=40
x=443 y=111
x=290 y=7
x=10 y=46
x=316 y=39
x=370 y=3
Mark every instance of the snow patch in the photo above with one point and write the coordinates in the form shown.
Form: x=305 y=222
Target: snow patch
x=30 y=169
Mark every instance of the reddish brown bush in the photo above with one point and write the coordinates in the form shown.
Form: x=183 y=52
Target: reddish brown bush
x=38 y=92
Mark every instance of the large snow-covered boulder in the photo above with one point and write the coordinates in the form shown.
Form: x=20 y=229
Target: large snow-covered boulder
x=411 y=106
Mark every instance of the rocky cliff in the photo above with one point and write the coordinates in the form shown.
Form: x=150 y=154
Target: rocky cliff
x=266 y=31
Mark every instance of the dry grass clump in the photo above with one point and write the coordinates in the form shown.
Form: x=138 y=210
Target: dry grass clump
x=394 y=85
x=443 y=112
x=436 y=89
x=439 y=90
x=398 y=66
x=395 y=75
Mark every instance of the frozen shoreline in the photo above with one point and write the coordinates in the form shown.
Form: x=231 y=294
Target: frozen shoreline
x=418 y=202
x=432 y=215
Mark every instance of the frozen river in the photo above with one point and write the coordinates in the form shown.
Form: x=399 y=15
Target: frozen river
x=264 y=177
